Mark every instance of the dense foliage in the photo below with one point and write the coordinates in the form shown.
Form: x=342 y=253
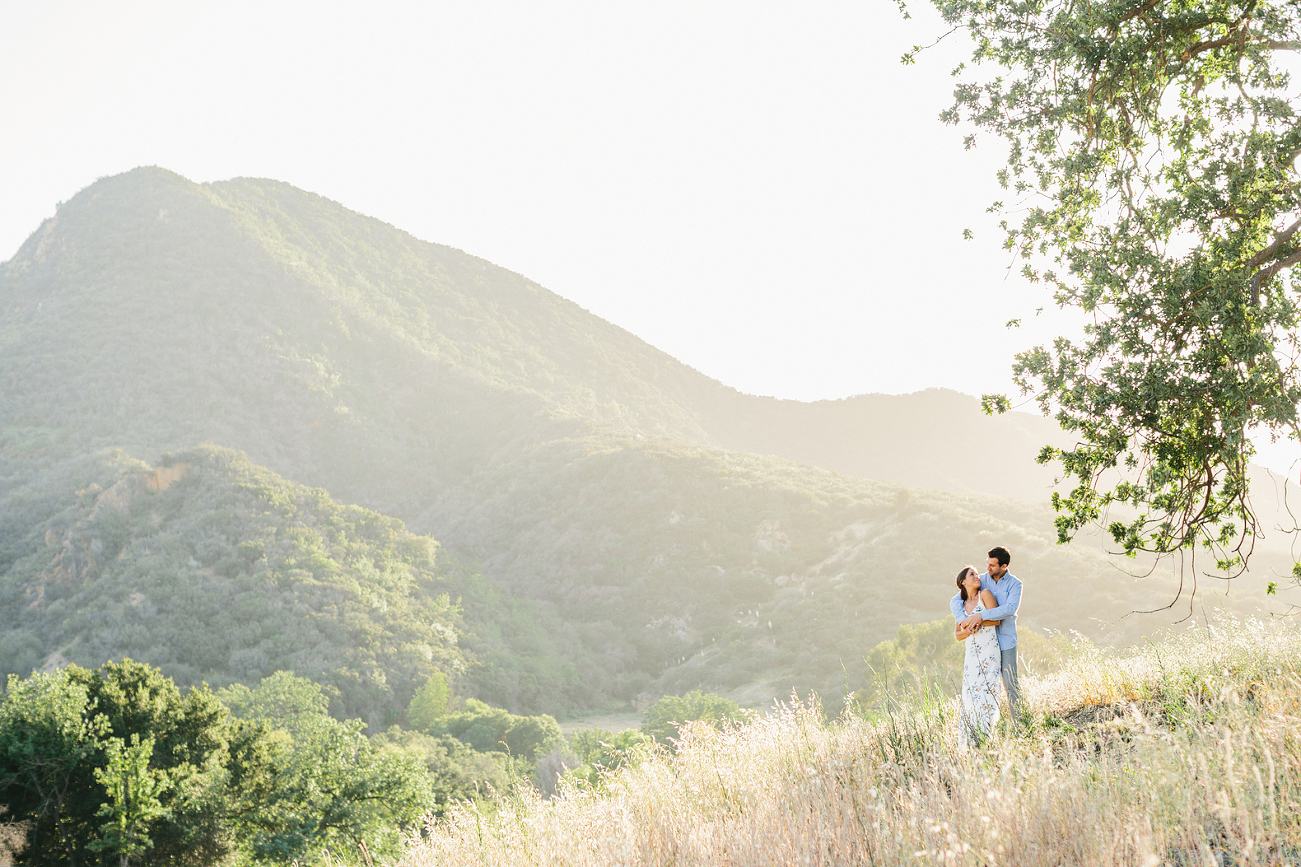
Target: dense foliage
x=598 y=751
x=493 y=729
x=118 y=765
x=63 y=738
x=457 y=772
x=216 y=570
x=663 y=719
x=327 y=787
x=1151 y=151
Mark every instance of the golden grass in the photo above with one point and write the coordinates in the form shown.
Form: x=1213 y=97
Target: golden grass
x=1197 y=760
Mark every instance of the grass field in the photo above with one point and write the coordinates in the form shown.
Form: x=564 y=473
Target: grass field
x=1184 y=752
x=611 y=722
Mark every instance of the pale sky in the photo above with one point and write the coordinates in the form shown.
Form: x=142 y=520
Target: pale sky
x=759 y=189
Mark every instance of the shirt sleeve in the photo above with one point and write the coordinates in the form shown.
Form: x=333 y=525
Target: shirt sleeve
x=957 y=608
x=1009 y=607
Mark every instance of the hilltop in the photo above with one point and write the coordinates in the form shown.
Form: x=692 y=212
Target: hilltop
x=616 y=524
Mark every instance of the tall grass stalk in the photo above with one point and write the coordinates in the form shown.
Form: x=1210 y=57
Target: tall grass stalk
x=1185 y=752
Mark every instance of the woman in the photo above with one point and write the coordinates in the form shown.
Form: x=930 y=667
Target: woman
x=980 y=671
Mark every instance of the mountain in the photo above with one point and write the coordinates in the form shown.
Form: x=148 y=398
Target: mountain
x=306 y=333
x=617 y=523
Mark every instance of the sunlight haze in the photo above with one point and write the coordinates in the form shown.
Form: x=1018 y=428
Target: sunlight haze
x=761 y=191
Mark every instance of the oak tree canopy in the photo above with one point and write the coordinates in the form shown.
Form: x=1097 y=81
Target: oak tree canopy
x=1152 y=186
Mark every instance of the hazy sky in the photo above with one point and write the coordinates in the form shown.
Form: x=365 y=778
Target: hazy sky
x=759 y=189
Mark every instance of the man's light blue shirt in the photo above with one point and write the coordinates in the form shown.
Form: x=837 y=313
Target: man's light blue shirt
x=1007 y=593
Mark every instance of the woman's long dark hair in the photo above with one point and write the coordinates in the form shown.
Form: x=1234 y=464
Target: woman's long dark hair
x=962 y=573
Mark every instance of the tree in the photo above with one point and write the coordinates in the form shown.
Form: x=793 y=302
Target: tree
x=602 y=751
x=284 y=699
x=328 y=786
x=119 y=762
x=662 y=719
x=84 y=756
x=494 y=729
x=1151 y=150
x=133 y=790
x=456 y=772
x=46 y=743
x=431 y=702
x=191 y=735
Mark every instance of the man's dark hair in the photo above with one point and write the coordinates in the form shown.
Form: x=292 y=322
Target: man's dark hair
x=1001 y=554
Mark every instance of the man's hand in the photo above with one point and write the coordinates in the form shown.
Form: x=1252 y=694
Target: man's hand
x=972 y=622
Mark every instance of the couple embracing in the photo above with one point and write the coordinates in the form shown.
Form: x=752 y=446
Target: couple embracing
x=985 y=613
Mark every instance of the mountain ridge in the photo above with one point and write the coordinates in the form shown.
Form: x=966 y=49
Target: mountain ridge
x=689 y=404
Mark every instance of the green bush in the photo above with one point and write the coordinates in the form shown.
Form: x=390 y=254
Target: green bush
x=601 y=751
x=328 y=787
x=493 y=729
x=59 y=736
x=457 y=772
x=662 y=719
x=430 y=703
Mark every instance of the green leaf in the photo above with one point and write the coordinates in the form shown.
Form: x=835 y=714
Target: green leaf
x=994 y=404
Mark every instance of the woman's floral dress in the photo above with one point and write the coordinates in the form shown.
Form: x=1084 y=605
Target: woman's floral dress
x=980 y=677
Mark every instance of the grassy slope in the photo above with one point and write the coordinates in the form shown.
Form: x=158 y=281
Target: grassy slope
x=1186 y=752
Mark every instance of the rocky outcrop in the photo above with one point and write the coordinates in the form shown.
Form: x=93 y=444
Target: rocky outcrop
x=126 y=490
x=83 y=551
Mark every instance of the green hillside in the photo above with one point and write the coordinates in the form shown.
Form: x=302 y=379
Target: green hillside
x=216 y=570
x=616 y=525
x=684 y=566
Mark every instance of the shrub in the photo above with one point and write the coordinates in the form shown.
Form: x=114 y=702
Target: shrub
x=430 y=703
x=663 y=718
x=494 y=729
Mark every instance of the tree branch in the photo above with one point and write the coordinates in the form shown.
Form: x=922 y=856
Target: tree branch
x=1279 y=240
x=1260 y=278
x=1146 y=7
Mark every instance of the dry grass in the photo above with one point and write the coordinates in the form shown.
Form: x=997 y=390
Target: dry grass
x=1187 y=752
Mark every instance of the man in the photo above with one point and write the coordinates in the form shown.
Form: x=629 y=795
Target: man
x=1006 y=588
